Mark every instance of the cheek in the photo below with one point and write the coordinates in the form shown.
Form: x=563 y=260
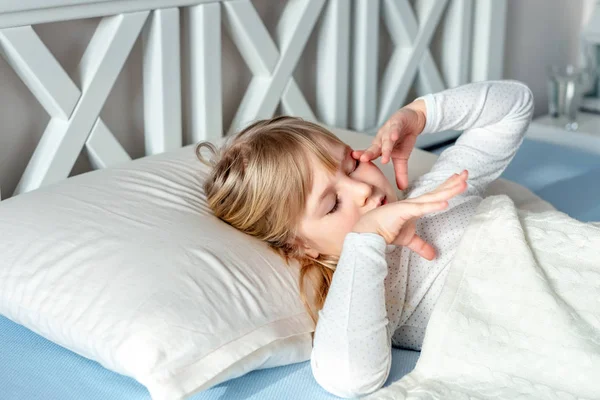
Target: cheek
x=371 y=170
x=337 y=236
x=348 y=220
x=370 y=173
x=334 y=232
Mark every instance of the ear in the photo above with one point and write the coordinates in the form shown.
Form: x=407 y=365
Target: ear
x=307 y=249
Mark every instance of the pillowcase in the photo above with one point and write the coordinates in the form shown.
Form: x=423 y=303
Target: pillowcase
x=127 y=266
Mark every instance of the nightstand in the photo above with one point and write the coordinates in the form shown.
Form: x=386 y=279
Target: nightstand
x=586 y=137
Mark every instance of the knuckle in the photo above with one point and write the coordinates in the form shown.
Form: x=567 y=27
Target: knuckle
x=414 y=246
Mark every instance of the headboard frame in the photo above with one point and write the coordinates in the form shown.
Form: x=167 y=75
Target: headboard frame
x=349 y=92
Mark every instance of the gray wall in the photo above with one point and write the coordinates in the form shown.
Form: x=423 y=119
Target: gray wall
x=539 y=32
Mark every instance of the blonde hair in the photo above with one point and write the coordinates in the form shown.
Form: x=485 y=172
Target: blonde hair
x=259 y=184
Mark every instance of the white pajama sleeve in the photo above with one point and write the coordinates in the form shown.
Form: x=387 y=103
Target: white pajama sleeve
x=351 y=353
x=494 y=116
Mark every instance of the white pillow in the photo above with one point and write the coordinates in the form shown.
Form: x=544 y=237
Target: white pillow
x=128 y=267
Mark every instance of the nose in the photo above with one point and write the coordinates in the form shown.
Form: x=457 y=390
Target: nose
x=361 y=191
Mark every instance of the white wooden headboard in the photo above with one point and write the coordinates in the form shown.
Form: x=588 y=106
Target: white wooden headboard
x=349 y=91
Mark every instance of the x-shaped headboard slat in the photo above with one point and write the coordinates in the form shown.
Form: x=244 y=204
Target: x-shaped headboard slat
x=272 y=68
x=99 y=67
x=346 y=37
x=401 y=70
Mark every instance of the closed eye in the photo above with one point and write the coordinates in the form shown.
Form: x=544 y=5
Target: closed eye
x=335 y=206
x=356 y=163
x=337 y=199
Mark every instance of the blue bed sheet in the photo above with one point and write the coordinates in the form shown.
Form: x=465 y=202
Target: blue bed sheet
x=33 y=368
x=566 y=177
x=294 y=382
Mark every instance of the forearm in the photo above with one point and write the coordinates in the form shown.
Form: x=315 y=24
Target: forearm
x=494 y=116
x=352 y=351
x=476 y=105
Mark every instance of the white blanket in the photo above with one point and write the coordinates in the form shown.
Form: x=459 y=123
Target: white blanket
x=519 y=315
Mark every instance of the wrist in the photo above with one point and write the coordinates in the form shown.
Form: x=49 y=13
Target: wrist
x=369 y=231
x=359 y=228
x=420 y=109
x=365 y=238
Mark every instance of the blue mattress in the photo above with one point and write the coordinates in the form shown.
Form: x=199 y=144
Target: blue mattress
x=33 y=368
x=566 y=177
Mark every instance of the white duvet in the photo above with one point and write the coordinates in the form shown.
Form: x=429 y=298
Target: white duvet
x=519 y=315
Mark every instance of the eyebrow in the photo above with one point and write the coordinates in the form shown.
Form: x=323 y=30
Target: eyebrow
x=329 y=189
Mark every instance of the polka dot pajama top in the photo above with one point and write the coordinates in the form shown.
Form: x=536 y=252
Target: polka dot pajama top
x=383 y=295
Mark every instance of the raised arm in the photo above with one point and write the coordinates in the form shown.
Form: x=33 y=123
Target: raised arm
x=351 y=354
x=494 y=116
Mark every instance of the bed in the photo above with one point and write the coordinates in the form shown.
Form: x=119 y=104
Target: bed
x=36 y=368
x=33 y=367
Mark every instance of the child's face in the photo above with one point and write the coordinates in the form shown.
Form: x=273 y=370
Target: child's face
x=336 y=202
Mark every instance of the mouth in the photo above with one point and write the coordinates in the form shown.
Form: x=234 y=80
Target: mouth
x=383 y=201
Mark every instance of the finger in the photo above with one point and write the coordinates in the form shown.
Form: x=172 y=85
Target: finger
x=381 y=131
x=422 y=248
x=371 y=153
x=442 y=193
x=449 y=192
x=456 y=180
x=386 y=151
x=463 y=175
x=410 y=210
x=357 y=153
x=452 y=183
x=394 y=130
x=400 y=157
x=387 y=135
x=401 y=172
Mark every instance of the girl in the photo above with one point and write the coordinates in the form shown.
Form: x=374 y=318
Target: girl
x=377 y=265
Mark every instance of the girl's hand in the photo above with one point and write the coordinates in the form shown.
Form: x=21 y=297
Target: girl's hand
x=396 y=139
x=395 y=222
